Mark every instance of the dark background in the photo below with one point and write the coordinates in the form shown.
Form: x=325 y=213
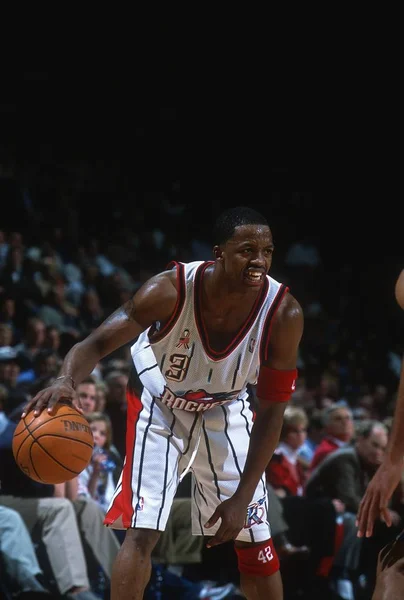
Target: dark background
x=102 y=139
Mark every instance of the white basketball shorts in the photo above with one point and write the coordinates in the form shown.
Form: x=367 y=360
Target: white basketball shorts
x=162 y=444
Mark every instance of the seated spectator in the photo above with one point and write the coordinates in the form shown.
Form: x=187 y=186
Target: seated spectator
x=100 y=544
x=52 y=339
x=9 y=373
x=344 y=475
x=116 y=406
x=51 y=521
x=101 y=396
x=46 y=364
x=315 y=434
x=284 y=472
x=98 y=480
x=338 y=432
x=8 y=315
x=280 y=528
x=91 y=312
x=31 y=343
x=58 y=311
x=22 y=574
x=87 y=394
x=6 y=336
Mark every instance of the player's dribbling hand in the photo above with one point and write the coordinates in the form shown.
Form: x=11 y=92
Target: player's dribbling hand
x=374 y=504
x=232 y=512
x=60 y=390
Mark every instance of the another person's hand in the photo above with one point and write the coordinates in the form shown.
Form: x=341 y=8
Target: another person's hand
x=390 y=572
x=61 y=390
x=233 y=513
x=97 y=460
x=374 y=504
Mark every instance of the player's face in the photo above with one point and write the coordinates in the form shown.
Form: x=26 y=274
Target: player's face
x=247 y=256
x=99 y=429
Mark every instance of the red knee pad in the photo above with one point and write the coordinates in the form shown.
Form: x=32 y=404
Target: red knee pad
x=261 y=560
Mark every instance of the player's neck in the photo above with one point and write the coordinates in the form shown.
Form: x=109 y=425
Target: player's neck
x=221 y=295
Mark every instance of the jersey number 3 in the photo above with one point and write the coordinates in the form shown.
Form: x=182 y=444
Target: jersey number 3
x=178 y=369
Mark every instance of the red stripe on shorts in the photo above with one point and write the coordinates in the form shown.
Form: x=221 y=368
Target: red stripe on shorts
x=123 y=503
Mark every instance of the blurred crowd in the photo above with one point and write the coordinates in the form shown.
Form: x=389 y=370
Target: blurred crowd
x=56 y=288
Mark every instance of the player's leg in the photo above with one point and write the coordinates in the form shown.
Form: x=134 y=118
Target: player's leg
x=217 y=469
x=132 y=568
x=143 y=497
x=258 y=565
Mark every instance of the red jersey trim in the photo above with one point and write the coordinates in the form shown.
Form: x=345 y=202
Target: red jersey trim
x=155 y=336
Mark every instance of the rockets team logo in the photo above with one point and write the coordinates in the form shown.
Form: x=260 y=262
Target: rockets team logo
x=197 y=401
x=255 y=512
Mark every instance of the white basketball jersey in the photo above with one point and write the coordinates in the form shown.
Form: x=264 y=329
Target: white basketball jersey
x=181 y=369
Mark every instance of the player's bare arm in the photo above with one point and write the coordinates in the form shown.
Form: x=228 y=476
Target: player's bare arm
x=154 y=301
x=285 y=338
x=275 y=385
x=374 y=504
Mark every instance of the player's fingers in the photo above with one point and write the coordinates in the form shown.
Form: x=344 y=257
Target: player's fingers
x=28 y=406
x=386 y=515
x=213 y=519
x=77 y=404
x=221 y=536
x=54 y=399
x=40 y=403
x=362 y=516
x=372 y=515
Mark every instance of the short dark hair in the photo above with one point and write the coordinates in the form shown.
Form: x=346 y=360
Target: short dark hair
x=366 y=428
x=231 y=218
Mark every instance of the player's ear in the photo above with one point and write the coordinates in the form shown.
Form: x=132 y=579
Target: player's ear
x=217 y=252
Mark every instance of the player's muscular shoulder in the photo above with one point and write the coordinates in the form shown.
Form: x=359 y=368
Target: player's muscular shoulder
x=287 y=327
x=399 y=289
x=289 y=314
x=155 y=300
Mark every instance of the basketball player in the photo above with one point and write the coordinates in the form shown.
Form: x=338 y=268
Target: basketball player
x=374 y=505
x=204 y=331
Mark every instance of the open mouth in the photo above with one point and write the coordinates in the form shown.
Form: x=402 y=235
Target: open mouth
x=254 y=276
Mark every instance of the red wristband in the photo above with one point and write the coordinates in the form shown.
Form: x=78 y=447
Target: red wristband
x=274 y=385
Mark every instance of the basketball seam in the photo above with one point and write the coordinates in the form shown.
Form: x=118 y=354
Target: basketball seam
x=40 y=425
x=63 y=437
x=50 y=455
x=26 y=428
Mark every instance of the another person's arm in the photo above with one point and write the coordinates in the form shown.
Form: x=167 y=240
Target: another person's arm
x=67 y=489
x=374 y=504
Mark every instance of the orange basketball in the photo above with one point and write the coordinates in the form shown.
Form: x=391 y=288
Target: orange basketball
x=53 y=448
